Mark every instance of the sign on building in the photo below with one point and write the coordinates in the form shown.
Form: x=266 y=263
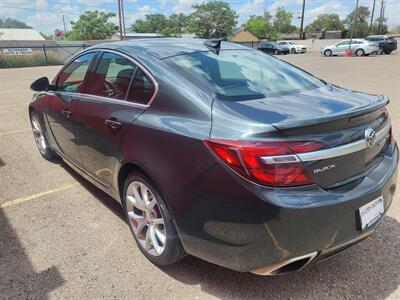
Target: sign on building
x=17 y=51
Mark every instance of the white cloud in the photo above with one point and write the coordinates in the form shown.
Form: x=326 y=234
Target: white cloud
x=328 y=7
x=284 y=3
x=65 y=7
x=40 y=3
x=140 y=13
x=255 y=7
x=45 y=22
x=185 y=6
x=392 y=12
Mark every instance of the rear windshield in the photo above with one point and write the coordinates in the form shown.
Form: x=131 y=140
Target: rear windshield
x=243 y=74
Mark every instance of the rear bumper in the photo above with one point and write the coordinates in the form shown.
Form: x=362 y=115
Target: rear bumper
x=242 y=226
x=302 y=50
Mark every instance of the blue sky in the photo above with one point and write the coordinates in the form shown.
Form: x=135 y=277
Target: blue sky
x=46 y=15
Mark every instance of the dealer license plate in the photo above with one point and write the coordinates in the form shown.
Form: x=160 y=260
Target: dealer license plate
x=371 y=212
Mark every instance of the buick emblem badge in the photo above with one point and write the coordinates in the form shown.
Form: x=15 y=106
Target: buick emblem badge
x=370 y=137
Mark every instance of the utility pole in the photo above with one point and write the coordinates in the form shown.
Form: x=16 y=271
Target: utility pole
x=302 y=21
x=121 y=36
x=354 y=22
x=65 y=26
x=380 y=18
x=123 y=18
x=372 y=15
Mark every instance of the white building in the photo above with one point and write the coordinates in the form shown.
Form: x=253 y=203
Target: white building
x=14 y=34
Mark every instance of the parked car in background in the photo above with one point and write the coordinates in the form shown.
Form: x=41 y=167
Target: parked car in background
x=220 y=151
x=293 y=46
x=273 y=48
x=386 y=44
x=359 y=47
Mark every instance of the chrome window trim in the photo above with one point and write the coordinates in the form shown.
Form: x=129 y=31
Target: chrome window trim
x=117 y=101
x=105 y=99
x=344 y=149
x=327 y=153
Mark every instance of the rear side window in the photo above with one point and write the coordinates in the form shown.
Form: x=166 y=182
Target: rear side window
x=72 y=77
x=142 y=89
x=112 y=77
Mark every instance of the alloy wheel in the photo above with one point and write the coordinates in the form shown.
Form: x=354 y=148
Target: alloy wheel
x=38 y=134
x=360 y=52
x=145 y=218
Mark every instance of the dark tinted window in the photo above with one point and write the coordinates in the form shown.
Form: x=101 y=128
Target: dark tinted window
x=112 y=77
x=71 y=79
x=142 y=88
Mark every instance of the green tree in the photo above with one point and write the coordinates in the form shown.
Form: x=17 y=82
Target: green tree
x=375 y=26
x=179 y=21
x=92 y=25
x=214 y=19
x=325 y=22
x=261 y=26
x=357 y=20
x=175 y=25
x=13 y=23
x=153 y=23
x=283 y=21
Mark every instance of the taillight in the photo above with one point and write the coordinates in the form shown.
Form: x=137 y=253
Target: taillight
x=268 y=163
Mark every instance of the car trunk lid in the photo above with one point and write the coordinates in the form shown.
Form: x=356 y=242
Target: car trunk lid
x=337 y=117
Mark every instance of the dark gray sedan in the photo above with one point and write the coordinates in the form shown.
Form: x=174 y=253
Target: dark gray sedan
x=222 y=152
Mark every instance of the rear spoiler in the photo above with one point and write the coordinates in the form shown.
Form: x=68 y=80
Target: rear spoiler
x=381 y=102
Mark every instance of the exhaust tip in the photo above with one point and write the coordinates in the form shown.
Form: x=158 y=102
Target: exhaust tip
x=286 y=266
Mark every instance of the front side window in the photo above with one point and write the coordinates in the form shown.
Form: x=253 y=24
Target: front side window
x=72 y=77
x=112 y=77
x=243 y=74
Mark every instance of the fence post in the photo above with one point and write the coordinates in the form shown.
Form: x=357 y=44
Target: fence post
x=45 y=54
x=252 y=44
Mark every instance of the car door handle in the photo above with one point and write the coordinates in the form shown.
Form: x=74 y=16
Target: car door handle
x=113 y=123
x=67 y=113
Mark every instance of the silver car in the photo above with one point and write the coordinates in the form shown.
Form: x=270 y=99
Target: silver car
x=358 y=47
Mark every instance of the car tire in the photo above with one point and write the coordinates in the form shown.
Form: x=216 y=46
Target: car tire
x=380 y=51
x=276 y=52
x=328 y=52
x=388 y=52
x=292 y=51
x=155 y=233
x=40 y=138
x=360 y=52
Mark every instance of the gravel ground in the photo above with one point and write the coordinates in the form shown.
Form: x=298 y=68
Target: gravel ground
x=62 y=238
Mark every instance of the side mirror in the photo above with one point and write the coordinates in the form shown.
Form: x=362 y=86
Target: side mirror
x=40 y=85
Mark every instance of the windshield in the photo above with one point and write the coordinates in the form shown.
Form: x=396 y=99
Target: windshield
x=243 y=74
x=292 y=43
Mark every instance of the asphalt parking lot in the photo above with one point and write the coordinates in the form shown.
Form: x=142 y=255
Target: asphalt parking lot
x=62 y=238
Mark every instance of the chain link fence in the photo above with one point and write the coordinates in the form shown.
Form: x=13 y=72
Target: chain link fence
x=33 y=56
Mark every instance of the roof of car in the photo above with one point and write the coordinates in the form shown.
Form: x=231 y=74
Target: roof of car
x=165 y=47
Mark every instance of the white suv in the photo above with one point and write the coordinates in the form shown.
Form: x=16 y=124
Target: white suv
x=293 y=46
